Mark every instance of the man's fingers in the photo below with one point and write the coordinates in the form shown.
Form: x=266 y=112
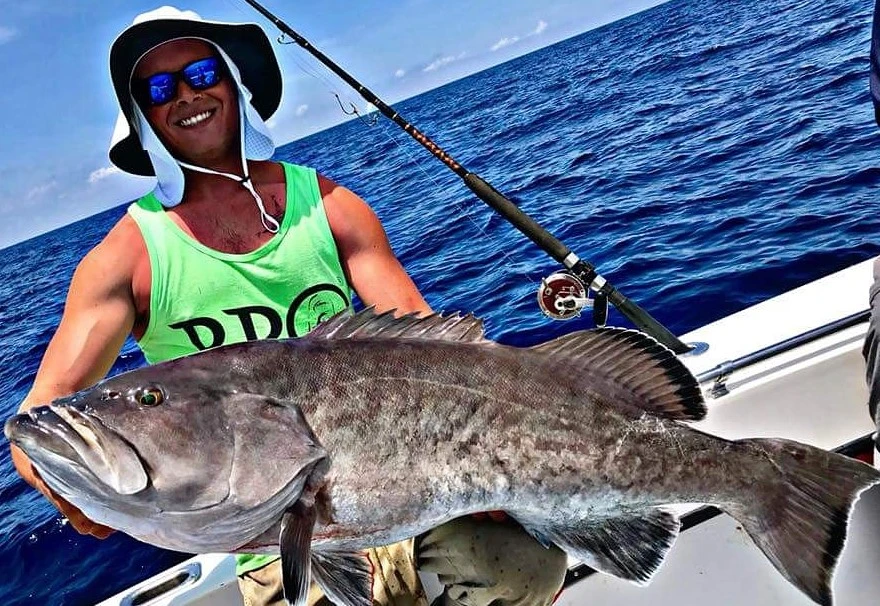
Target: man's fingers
x=85 y=526
x=69 y=511
x=497 y=516
x=101 y=532
x=81 y=523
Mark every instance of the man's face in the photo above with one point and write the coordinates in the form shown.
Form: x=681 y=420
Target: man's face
x=206 y=141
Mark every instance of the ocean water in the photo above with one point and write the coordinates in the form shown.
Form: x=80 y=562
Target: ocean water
x=704 y=155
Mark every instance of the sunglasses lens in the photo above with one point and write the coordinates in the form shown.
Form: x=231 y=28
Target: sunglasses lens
x=162 y=88
x=159 y=89
x=202 y=74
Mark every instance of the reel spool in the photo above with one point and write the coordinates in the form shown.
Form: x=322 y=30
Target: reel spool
x=562 y=296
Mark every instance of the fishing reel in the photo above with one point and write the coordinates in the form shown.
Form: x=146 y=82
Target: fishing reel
x=562 y=296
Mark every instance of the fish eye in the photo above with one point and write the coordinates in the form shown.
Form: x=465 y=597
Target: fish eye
x=150 y=396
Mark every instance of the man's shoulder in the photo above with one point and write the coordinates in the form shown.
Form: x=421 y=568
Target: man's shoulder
x=120 y=251
x=124 y=233
x=273 y=171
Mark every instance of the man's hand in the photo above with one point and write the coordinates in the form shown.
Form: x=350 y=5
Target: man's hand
x=495 y=516
x=80 y=522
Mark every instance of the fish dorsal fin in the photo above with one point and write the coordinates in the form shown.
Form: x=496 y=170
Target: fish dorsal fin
x=368 y=324
x=656 y=379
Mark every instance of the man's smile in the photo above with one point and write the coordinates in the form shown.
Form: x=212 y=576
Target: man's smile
x=195 y=120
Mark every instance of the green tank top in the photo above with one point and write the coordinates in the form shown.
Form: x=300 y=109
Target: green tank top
x=202 y=298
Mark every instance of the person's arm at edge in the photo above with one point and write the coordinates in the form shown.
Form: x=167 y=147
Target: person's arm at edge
x=98 y=315
x=367 y=259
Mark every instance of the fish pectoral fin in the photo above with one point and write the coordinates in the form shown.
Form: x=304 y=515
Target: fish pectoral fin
x=630 y=547
x=297 y=525
x=346 y=578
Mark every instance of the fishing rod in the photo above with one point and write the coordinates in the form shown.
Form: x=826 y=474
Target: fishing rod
x=563 y=294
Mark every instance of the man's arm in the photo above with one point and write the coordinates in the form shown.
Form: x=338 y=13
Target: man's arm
x=871 y=349
x=98 y=315
x=367 y=259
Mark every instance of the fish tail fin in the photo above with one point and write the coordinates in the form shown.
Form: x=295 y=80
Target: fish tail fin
x=800 y=524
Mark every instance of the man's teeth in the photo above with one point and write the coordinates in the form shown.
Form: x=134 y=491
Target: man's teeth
x=196 y=119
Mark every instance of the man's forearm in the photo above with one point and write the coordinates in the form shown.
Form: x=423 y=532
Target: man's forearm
x=871 y=348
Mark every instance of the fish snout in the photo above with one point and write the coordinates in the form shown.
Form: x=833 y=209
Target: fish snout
x=61 y=432
x=16 y=427
x=40 y=426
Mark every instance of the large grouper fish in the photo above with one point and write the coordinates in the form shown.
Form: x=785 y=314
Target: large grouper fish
x=372 y=429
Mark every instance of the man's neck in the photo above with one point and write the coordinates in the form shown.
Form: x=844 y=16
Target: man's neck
x=200 y=186
x=229 y=163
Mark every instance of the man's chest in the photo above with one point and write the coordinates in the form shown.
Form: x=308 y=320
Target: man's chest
x=234 y=226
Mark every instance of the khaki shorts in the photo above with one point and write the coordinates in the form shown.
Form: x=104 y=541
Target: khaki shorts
x=478 y=562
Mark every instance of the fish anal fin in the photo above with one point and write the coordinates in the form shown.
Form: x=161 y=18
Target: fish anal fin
x=345 y=578
x=297 y=525
x=647 y=374
x=630 y=547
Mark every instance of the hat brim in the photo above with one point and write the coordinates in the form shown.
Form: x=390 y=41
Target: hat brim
x=245 y=43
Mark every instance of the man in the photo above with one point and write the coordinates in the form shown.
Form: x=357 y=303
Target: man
x=871 y=353
x=232 y=247
x=871 y=346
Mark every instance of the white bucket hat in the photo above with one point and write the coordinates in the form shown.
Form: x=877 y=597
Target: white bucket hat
x=251 y=63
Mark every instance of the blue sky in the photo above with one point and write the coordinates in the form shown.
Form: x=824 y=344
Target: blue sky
x=57 y=109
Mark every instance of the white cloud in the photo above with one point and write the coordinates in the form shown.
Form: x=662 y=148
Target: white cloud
x=301 y=110
x=400 y=73
x=434 y=65
x=7 y=34
x=511 y=40
x=504 y=42
x=442 y=61
x=41 y=190
x=102 y=173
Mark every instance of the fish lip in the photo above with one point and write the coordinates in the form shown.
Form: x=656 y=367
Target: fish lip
x=42 y=422
x=58 y=431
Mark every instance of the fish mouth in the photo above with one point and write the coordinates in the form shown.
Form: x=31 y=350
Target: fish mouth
x=56 y=434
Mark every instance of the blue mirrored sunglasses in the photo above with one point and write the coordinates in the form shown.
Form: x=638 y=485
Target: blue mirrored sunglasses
x=161 y=88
